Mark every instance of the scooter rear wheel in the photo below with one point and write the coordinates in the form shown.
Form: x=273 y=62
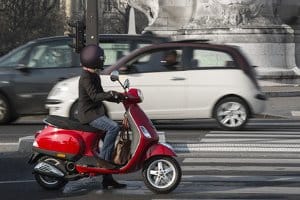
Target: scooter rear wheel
x=162 y=174
x=47 y=182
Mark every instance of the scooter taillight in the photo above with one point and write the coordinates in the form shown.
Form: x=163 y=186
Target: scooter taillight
x=37 y=133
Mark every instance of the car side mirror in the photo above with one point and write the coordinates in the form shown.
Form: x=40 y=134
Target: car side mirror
x=114 y=76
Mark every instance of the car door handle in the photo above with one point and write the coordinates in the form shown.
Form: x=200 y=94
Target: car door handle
x=177 y=79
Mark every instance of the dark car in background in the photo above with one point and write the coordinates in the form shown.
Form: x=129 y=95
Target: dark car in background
x=28 y=73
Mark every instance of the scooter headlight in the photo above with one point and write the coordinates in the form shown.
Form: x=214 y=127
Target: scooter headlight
x=140 y=94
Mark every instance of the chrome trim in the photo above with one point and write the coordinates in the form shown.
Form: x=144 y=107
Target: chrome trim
x=48 y=169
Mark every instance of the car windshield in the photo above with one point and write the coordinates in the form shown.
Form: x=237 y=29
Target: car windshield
x=13 y=58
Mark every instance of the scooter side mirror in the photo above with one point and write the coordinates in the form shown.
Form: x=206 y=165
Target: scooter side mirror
x=126 y=84
x=114 y=76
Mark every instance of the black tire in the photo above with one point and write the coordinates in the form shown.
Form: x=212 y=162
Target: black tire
x=74 y=111
x=174 y=175
x=5 y=110
x=49 y=183
x=231 y=113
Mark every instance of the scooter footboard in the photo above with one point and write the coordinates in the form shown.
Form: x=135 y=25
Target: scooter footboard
x=160 y=149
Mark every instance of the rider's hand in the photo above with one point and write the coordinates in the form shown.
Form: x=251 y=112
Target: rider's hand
x=116 y=96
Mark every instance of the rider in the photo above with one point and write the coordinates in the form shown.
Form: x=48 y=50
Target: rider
x=91 y=109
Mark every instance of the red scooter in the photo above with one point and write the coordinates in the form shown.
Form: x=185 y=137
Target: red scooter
x=64 y=150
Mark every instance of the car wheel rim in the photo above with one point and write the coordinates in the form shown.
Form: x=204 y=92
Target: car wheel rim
x=231 y=114
x=3 y=109
x=161 y=174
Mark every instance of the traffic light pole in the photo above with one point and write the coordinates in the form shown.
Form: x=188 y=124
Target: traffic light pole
x=91 y=22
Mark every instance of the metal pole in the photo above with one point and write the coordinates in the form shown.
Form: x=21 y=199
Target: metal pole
x=91 y=21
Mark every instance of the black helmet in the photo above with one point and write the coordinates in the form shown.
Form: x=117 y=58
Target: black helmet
x=92 y=56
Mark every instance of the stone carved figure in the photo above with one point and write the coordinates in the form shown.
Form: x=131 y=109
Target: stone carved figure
x=149 y=7
x=232 y=13
x=236 y=14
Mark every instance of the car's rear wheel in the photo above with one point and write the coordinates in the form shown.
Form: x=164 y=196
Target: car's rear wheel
x=5 y=110
x=231 y=113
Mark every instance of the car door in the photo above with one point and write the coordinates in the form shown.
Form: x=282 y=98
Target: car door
x=46 y=64
x=163 y=87
x=210 y=74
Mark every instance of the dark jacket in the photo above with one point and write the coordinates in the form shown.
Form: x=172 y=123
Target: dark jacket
x=91 y=95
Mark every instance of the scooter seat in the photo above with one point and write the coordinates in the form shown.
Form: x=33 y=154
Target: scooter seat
x=66 y=123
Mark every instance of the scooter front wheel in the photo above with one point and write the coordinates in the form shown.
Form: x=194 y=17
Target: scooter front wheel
x=162 y=174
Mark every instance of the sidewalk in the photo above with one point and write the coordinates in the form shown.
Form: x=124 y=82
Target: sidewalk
x=273 y=89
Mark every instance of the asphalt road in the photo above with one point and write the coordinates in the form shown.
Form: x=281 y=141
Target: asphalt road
x=260 y=162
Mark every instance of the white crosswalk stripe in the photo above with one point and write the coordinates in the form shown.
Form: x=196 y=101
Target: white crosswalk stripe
x=274 y=169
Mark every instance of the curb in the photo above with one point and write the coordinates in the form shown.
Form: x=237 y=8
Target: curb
x=25 y=144
x=282 y=94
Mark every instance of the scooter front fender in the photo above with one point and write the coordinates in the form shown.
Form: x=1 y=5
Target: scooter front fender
x=160 y=149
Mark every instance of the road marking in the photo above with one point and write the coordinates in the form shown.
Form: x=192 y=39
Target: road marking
x=255 y=135
x=8 y=144
x=256 y=132
x=236 y=147
x=295 y=113
x=241 y=160
x=241 y=168
x=17 y=181
x=260 y=140
x=162 y=136
x=229 y=178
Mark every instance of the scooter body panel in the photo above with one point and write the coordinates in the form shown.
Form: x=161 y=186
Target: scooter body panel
x=79 y=143
x=69 y=144
x=140 y=126
x=159 y=149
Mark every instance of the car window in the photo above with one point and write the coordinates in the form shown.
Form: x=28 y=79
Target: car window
x=155 y=61
x=210 y=58
x=114 y=51
x=14 y=58
x=50 y=55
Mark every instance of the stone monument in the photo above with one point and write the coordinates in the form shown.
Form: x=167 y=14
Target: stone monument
x=253 y=25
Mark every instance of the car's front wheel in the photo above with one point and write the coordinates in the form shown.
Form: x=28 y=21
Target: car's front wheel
x=5 y=111
x=231 y=113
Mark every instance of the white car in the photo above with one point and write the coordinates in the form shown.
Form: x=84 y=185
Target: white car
x=206 y=81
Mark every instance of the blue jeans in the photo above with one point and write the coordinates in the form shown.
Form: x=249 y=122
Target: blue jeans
x=112 y=130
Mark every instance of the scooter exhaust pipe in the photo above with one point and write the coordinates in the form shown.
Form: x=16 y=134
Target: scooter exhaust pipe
x=48 y=169
x=70 y=166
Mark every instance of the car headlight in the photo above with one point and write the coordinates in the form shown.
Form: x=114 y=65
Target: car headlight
x=140 y=94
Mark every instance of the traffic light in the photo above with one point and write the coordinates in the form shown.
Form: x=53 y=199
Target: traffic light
x=78 y=36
